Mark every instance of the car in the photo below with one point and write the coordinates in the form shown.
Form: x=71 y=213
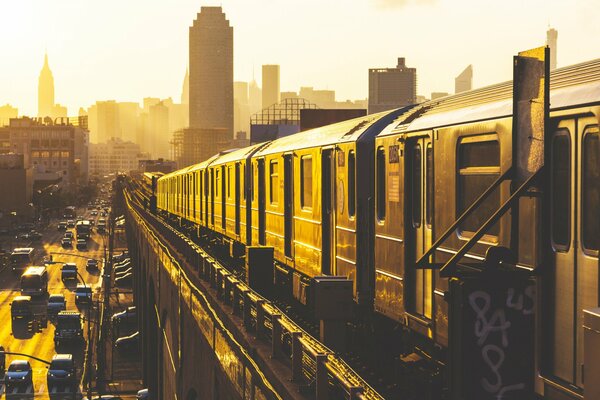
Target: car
x=69 y=327
x=125 y=316
x=69 y=235
x=124 y=281
x=81 y=244
x=119 y=272
x=62 y=226
x=70 y=223
x=92 y=222
x=143 y=395
x=62 y=371
x=19 y=373
x=83 y=294
x=56 y=303
x=34 y=235
x=21 y=307
x=119 y=264
x=94 y=213
x=91 y=263
x=68 y=271
x=66 y=242
x=121 y=256
x=128 y=344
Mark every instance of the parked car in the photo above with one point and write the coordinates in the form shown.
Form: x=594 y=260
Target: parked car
x=19 y=373
x=122 y=272
x=81 y=244
x=127 y=315
x=62 y=371
x=91 y=263
x=124 y=281
x=128 y=344
x=66 y=242
x=121 y=256
x=56 y=304
x=68 y=271
x=83 y=294
x=20 y=307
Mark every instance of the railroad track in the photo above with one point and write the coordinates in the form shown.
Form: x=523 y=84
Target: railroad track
x=266 y=310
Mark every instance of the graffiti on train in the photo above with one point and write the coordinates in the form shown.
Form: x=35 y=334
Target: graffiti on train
x=498 y=317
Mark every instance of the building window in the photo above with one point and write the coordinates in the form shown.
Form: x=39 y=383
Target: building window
x=45 y=154
x=591 y=189
x=64 y=154
x=274 y=182
x=306 y=190
x=381 y=200
x=479 y=168
x=351 y=184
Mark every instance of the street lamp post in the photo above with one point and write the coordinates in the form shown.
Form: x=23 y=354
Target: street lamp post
x=88 y=367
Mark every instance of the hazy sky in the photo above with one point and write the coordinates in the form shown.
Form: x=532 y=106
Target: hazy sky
x=130 y=49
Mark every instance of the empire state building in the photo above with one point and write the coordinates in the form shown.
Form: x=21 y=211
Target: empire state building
x=45 y=91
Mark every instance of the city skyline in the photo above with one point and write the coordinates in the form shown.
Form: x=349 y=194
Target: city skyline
x=153 y=61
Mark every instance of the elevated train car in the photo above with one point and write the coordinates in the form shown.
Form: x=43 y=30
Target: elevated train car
x=314 y=216
x=432 y=168
x=367 y=198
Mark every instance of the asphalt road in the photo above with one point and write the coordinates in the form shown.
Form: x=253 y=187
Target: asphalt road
x=36 y=337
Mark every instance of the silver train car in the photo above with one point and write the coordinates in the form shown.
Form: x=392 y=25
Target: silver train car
x=367 y=198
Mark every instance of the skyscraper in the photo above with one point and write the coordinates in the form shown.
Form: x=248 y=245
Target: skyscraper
x=270 y=85
x=45 y=91
x=391 y=88
x=211 y=71
x=551 y=41
x=185 y=91
x=464 y=81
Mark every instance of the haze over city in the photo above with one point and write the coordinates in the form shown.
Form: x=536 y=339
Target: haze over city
x=134 y=49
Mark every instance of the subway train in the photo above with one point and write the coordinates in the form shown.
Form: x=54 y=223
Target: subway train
x=368 y=198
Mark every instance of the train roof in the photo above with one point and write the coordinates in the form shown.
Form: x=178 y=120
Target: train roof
x=238 y=154
x=346 y=131
x=577 y=84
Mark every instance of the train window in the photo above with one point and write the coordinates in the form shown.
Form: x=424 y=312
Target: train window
x=591 y=189
x=229 y=180
x=252 y=191
x=479 y=168
x=217 y=182
x=381 y=184
x=560 y=189
x=351 y=183
x=429 y=185
x=306 y=172
x=274 y=183
x=416 y=186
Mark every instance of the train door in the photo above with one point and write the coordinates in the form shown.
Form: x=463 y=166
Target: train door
x=575 y=236
x=212 y=196
x=262 y=237
x=419 y=203
x=206 y=185
x=237 y=193
x=288 y=212
x=327 y=264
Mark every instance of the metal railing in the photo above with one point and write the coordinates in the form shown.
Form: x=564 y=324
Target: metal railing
x=313 y=366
